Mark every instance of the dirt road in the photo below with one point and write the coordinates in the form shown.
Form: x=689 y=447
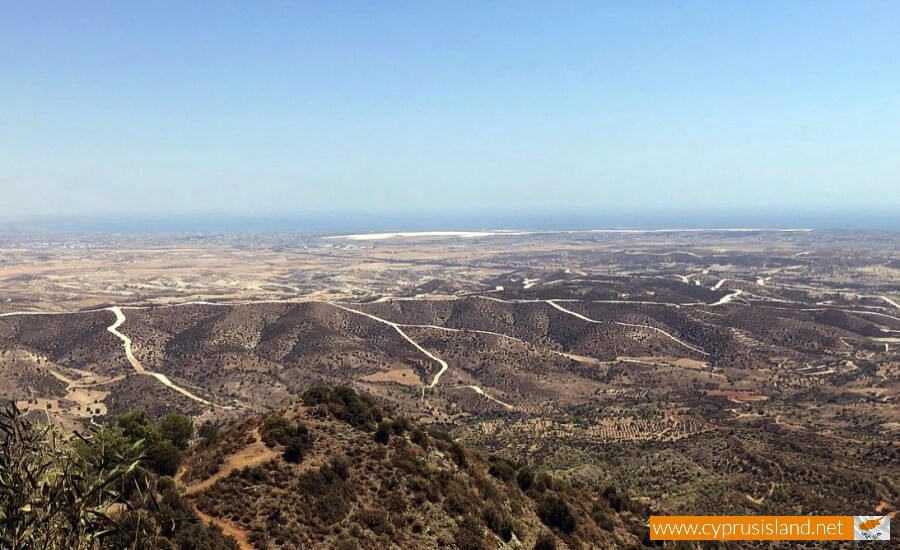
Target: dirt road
x=138 y=367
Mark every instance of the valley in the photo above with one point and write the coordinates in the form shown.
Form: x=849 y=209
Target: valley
x=696 y=369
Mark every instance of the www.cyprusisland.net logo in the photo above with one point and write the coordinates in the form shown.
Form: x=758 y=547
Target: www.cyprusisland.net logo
x=871 y=527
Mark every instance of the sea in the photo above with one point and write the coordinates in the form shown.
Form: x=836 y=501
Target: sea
x=378 y=222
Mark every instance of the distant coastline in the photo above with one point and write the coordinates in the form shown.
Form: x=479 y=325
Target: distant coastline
x=513 y=232
x=345 y=224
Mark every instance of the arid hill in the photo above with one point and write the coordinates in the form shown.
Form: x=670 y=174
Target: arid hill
x=703 y=371
x=339 y=472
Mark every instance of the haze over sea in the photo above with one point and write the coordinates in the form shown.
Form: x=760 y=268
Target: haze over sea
x=474 y=220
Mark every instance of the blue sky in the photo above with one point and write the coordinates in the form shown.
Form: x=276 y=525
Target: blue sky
x=270 y=107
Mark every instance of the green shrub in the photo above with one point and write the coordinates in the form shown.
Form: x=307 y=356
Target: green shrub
x=375 y=520
x=293 y=436
x=499 y=522
x=603 y=516
x=340 y=465
x=54 y=492
x=545 y=541
x=617 y=500
x=502 y=469
x=345 y=404
x=419 y=437
x=525 y=479
x=383 y=432
x=543 y=482
x=555 y=512
x=469 y=535
x=295 y=449
x=328 y=493
x=208 y=432
x=459 y=500
x=440 y=435
x=136 y=426
x=401 y=425
x=458 y=454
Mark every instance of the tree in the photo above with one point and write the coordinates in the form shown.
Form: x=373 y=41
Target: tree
x=136 y=426
x=208 y=432
x=178 y=429
x=164 y=458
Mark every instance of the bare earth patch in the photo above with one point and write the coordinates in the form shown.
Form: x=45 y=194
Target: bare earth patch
x=406 y=376
x=736 y=395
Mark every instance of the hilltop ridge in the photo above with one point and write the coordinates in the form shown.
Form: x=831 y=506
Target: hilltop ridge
x=339 y=471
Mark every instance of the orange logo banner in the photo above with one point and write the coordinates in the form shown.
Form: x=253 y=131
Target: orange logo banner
x=751 y=527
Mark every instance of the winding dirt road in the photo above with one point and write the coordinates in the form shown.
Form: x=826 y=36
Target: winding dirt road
x=481 y=392
x=444 y=366
x=718 y=285
x=661 y=331
x=397 y=327
x=138 y=367
x=579 y=358
x=727 y=298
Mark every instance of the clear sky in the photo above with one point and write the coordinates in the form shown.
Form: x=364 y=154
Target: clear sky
x=285 y=107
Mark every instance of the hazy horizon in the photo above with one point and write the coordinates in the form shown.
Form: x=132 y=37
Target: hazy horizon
x=257 y=110
x=367 y=222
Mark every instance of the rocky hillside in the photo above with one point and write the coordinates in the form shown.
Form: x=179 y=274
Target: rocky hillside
x=338 y=471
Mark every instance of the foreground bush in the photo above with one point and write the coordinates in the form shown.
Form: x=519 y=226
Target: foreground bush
x=60 y=492
x=50 y=496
